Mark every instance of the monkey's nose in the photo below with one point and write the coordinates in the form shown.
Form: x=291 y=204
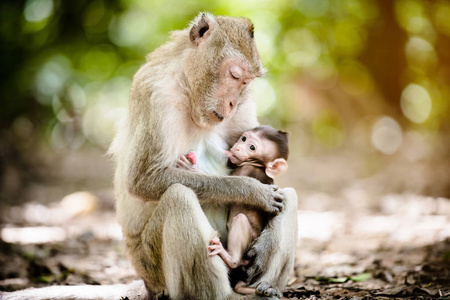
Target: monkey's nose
x=232 y=104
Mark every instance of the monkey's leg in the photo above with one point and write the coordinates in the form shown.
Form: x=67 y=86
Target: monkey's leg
x=186 y=268
x=239 y=238
x=242 y=288
x=274 y=249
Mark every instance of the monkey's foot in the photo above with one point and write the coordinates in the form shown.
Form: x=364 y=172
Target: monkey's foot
x=265 y=289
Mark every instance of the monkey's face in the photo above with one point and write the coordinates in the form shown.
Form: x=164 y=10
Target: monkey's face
x=226 y=61
x=234 y=76
x=252 y=147
x=220 y=100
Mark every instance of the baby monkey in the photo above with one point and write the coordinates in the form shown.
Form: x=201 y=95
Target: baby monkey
x=260 y=153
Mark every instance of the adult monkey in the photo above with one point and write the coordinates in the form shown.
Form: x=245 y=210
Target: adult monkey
x=192 y=94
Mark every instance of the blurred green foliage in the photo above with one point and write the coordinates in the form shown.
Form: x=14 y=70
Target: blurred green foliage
x=335 y=67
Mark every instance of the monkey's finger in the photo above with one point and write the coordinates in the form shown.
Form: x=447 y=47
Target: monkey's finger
x=272 y=292
x=215 y=252
x=273 y=210
x=185 y=160
x=268 y=292
x=188 y=161
x=182 y=164
x=215 y=247
x=279 y=197
x=278 y=205
x=262 y=288
x=214 y=241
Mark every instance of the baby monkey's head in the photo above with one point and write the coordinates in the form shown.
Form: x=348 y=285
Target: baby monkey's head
x=262 y=146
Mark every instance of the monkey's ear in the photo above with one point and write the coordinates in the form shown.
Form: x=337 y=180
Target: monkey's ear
x=276 y=167
x=251 y=30
x=201 y=29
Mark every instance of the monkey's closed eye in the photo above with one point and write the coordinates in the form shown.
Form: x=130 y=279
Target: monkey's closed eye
x=234 y=75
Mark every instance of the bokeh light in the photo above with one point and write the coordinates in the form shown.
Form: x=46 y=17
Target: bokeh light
x=52 y=77
x=323 y=42
x=387 y=135
x=38 y=10
x=416 y=103
x=302 y=47
x=131 y=28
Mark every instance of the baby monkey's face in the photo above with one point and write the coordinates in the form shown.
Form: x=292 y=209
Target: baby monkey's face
x=251 y=146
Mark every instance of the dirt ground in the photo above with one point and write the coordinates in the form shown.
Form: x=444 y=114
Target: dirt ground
x=356 y=240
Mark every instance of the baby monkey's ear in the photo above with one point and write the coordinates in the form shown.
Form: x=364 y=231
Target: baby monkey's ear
x=276 y=167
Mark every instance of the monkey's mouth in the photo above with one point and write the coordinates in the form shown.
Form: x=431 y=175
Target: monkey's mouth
x=219 y=116
x=235 y=160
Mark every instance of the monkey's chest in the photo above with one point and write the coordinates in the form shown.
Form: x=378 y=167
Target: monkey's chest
x=211 y=159
x=210 y=155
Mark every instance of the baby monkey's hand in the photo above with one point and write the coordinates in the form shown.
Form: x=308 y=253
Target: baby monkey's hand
x=215 y=246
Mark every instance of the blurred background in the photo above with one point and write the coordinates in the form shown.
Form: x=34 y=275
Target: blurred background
x=364 y=81
x=363 y=87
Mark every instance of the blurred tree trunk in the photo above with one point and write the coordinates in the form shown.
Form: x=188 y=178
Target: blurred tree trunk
x=385 y=56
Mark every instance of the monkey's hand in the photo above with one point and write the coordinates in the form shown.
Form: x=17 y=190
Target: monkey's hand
x=271 y=198
x=188 y=162
x=265 y=289
x=215 y=246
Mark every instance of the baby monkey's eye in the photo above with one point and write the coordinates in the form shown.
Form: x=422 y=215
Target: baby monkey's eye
x=252 y=147
x=244 y=138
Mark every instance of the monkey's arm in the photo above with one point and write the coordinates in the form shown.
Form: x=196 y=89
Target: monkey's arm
x=210 y=189
x=185 y=162
x=149 y=178
x=156 y=129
